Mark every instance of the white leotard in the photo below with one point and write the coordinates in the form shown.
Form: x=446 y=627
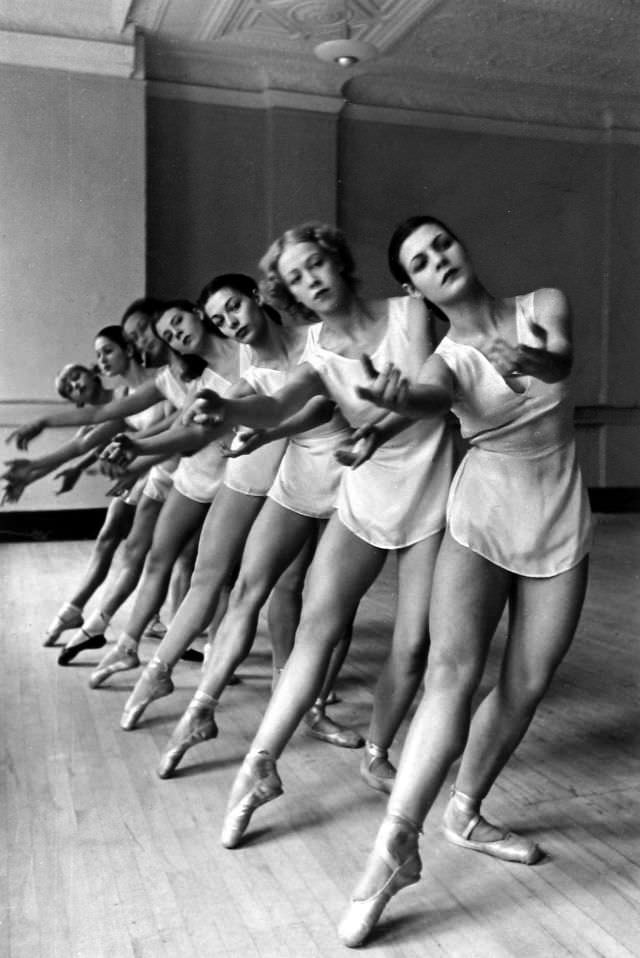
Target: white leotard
x=518 y=498
x=253 y=475
x=199 y=476
x=399 y=496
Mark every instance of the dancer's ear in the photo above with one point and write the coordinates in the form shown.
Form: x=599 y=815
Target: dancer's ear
x=410 y=289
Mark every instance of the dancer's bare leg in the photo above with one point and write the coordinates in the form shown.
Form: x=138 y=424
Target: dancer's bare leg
x=343 y=569
x=220 y=548
x=404 y=667
x=115 y=529
x=136 y=547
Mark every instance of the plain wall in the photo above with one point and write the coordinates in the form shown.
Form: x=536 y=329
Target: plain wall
x=72 y=236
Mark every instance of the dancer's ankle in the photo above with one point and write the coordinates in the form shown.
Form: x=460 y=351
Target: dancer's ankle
x=203 y=702
x=96 y=623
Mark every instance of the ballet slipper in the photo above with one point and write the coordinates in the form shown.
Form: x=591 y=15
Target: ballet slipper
x=192 y=655
x=84 y=642
x=69 y=617
x=196 y=725
x=510 y=847
x=324 y=728
x=376 y=769
x=156 y=628
x=122 y=657
x=154 y=683
x=395 y=853
x=256 y=783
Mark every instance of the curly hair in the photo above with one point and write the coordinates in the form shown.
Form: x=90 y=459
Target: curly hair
x=61 y=380
x=327 y=238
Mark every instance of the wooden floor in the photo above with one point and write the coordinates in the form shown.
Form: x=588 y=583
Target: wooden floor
x=102 y=858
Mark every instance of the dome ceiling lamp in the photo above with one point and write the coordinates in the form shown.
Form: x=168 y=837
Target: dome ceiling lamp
x=345 y=50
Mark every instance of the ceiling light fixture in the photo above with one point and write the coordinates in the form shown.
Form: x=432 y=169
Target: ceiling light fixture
x=344 y=50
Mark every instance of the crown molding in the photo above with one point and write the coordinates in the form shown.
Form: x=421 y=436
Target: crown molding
x=245 y=99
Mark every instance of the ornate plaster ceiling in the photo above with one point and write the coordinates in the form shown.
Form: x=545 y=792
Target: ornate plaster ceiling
x=554 y=60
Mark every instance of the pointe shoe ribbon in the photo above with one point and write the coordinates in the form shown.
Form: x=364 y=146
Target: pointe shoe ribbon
x=363 y=914
x=510 y=847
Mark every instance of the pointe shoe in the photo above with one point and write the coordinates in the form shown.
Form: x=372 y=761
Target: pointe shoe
x=69 y=652
x=256 y=783
x=376 y=769
x=509 y=848
x=196 y=725
x=324 y=728
x=68 y=618
x=122 y=657
x=192 y=655
x=156 y=628
x=154 y=683
x=396 y=846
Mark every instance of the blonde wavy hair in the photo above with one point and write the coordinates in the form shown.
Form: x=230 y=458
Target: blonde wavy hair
x=272 y=285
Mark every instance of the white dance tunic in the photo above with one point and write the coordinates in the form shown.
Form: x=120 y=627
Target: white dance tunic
x=157 y=481
x=399 y=496
x=253 y=475
x=518 y=498
x=309 y=475
x=199 y=476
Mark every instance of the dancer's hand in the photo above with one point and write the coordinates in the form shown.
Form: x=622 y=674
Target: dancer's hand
x=507 y=360
x=69 y=478
x=119 y=454
x=207 y=409
x=24 y=434
x=359 y=447
x=388 y=389
x=245 y=441
x=20 y=472
x=12 y=492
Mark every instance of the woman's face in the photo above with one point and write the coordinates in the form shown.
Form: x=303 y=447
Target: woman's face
x=181 y=329
x=113 y=360
x=313 y=278
x=79 y=385
x=436 y=263
x=140 y=333
x=236 y=315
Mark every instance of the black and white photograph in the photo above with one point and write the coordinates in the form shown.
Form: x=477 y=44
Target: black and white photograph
x=320 y=485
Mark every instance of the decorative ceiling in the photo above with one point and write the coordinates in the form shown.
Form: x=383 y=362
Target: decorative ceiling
x=573 y=61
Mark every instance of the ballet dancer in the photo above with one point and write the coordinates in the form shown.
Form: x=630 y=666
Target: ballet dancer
x=518 y=529
x=118 y=361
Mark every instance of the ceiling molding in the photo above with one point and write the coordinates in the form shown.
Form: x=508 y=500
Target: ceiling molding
x=490 y=125
x=244 y=99
x=64 y=53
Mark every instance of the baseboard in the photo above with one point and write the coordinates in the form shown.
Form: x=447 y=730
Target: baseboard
x=615 y=499
x=55 y=525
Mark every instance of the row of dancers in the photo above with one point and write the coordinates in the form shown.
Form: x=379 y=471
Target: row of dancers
x=313 y=439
